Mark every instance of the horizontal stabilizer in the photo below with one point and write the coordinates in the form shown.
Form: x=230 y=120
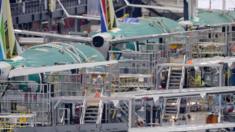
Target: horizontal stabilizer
x=24 y=71
x=52 y=35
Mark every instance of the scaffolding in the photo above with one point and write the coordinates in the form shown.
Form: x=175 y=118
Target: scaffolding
x=18 y=98
x=71 y=97
x=10 y=121
x=184 y=107
x=22 y=97
x=41 y=6
x=135 y=70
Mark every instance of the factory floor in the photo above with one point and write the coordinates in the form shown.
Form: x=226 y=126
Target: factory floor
x=196 y=118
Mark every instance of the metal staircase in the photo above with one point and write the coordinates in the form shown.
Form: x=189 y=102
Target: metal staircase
x=171 y=109
x=174 y=78
x=92 y=113
x=171 y=106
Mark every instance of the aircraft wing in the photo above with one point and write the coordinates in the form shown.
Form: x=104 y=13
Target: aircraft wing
x=24 y=71
x=184 y=128
x=154 y=36
x=214 y=60
x=175 y=92
x=52 y=35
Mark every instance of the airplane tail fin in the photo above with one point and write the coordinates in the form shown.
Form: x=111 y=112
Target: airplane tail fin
x=8 y=44
x=107 y=14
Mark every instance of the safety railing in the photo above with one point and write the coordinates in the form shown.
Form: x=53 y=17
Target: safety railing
x=182 y=80
x=10 y=121
x=168 y=78
x=83 y=111
x=100 y=112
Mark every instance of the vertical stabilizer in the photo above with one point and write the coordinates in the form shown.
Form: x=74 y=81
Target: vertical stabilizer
x=107 y=14
x=8 y=47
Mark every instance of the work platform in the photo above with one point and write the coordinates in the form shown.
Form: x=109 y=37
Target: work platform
x=161 y=84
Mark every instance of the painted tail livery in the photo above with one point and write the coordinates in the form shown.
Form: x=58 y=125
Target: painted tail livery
x=108 y=17
x=8 y=47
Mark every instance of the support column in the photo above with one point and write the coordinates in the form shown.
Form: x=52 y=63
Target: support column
x=193 y=5
x=130 y=113
x=190 y=9
x=188 y=48
x=45 y=4
x=210 y=5
x=224 y=5
x=220 y=107
x=226 y=34
x=221 y=76
x=186 y=13
x=77 y=25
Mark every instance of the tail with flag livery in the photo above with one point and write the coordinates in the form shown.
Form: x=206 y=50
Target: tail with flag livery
x=8 y=46
x=107 y=14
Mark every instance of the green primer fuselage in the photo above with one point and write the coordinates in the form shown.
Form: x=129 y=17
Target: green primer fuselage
x=55 y=54
x=144 y=26
x=212 y=18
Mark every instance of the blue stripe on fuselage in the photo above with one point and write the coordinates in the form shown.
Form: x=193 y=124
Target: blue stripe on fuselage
x=0 y=4
x=1 y=53
x=1 y=47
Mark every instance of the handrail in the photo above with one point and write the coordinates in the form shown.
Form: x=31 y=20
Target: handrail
x=183 y=74
x=83 y=112
x=163 y=109
x=62 y=119
x=178 y=107
x=100 y=112
x=182 y=78
x=168 y=78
